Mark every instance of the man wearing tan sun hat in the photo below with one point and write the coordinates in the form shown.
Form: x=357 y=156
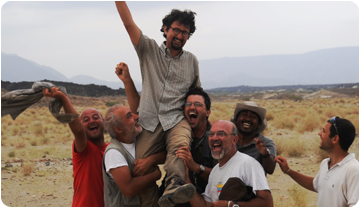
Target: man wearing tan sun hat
x=249 y=118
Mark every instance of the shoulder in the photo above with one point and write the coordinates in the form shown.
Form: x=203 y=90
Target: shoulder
x=190 y=56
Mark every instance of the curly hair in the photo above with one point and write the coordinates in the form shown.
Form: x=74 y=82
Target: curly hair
x=186 y=18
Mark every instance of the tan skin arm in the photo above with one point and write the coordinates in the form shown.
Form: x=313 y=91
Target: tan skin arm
x=142 y=166
x=303 y=180
x=268 y=163
x=185 y=154
x=131 y=186
x=75 y=126
x=130 y=26
x=122 y=71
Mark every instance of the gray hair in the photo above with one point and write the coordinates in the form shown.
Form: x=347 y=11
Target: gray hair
x=111 y=120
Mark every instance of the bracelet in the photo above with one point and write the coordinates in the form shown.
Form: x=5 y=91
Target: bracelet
x=287 y=171
x=229 y=203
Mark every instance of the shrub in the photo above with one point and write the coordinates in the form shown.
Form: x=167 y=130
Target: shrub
x=269 y=116
x=27 y=168
x=21 y=144
x=37 y=128
x=111 y=103
x=11 y=154
x=33 y=143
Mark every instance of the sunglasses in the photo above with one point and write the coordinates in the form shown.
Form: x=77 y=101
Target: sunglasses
x=333 y=122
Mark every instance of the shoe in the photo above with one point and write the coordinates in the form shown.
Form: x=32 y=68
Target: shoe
x=178 y=193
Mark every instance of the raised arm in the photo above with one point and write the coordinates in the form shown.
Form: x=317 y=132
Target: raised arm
x=122 y=71
x=75 y=126
x=268 y=161
x=303 y=180
x=130 y=26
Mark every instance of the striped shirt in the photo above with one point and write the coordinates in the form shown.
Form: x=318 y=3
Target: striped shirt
x=165 y=81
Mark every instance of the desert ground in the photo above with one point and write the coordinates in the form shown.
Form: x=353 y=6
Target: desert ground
x=36 y=165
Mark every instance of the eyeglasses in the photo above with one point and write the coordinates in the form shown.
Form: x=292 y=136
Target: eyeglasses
x=220 y=134
x=196 y=104
x=184 y=33
x=333 y=122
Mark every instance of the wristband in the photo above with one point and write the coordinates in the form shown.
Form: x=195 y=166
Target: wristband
x=287 y=171
x=229 y=203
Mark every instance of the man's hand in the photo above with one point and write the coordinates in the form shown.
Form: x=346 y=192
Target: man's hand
x=185 y=154
x=122 y=71
x=54 y=93
x=142 y=167
x=260 y=145
x=283 y=163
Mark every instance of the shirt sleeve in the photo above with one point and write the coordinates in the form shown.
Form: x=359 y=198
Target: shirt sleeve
x=114 y=159
x=255 y=176
x=270 y=144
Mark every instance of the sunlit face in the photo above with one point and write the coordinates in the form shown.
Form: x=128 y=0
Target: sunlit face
x=195 y=114
x=247 y=122
x=222 y=141
x=130 y=121
x=326 y=141
x=93 y=124
x=173 y=41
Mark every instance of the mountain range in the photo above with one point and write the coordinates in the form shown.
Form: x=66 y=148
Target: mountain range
x=326 y=66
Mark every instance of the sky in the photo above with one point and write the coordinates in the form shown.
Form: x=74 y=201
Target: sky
x=88 y=38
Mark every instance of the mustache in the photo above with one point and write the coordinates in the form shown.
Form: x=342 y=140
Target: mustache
x=215 y=142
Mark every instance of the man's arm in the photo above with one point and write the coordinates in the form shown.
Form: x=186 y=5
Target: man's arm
x=142 y=166
x=130 y=186
x=268 y=162
x=122 y=71
x=75 y=126
x=303 y=180
x=184 y=154
x=130 y=26
x=197 y=200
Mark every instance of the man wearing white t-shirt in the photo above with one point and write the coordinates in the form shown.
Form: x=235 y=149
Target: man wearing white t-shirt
x=337 y=182
x=232 y=164
x=120 y=187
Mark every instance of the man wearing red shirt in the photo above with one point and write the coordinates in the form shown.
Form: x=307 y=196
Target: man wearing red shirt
x=87 y=150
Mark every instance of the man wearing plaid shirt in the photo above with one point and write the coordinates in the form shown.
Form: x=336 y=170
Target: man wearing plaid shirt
x=168 y=72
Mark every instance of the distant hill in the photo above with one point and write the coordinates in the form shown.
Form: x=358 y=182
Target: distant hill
x=17 y=69
x=335 y=65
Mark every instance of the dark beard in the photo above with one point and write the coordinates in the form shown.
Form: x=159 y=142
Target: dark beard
x=175 y=47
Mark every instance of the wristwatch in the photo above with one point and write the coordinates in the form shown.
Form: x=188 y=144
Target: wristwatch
x=268 y=151
x=202 y=169
x=235 y=204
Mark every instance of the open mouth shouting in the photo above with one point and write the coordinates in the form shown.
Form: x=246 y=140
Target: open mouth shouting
x=94 y=129
x=217 y=151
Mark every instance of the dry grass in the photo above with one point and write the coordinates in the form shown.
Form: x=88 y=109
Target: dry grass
x=292 y=125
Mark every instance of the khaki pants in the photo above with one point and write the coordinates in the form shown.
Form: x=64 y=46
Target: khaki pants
x=149 y=143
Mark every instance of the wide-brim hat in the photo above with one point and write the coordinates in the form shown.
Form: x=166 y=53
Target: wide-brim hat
x=252 y=106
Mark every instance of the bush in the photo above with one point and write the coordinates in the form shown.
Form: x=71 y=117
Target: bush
x=20 y=144
x=27 y=168
x=109 y=104
x=11 y=154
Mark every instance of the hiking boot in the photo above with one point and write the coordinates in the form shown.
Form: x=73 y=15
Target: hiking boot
x=177 y=192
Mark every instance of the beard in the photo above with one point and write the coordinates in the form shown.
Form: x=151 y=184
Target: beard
x=218 y=156
x=176 y=48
